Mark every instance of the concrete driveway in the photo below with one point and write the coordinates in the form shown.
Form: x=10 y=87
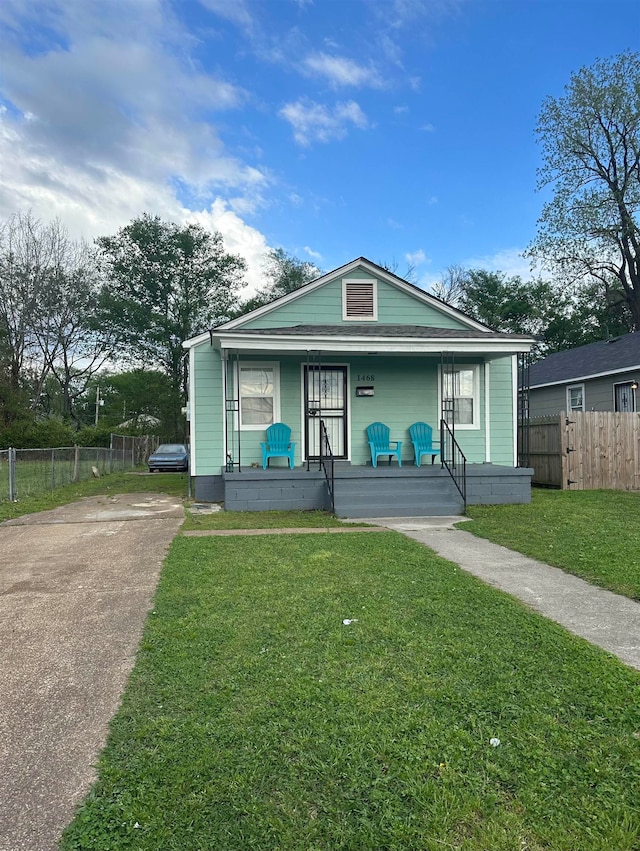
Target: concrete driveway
x=76 y=584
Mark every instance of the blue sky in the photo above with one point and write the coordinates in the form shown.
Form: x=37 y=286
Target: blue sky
x=401 y=130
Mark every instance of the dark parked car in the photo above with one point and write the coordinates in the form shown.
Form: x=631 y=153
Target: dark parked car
x=169 y=456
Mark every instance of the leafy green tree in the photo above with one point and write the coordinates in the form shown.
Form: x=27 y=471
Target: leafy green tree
x=284 y=274
x=508 y=304
x=540 y=308
x=139 y=398
x=166 y=283
x=590 y=139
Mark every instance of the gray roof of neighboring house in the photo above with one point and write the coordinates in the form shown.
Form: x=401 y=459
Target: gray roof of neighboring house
x=376 y=330
x=618 y=354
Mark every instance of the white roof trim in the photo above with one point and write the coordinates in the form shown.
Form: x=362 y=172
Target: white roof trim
x=618 y=371
x=195 y=341
x=377 y=272
x=399 y=345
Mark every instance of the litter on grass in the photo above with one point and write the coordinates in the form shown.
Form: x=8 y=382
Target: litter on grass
x=494 y=742
x=349 y=621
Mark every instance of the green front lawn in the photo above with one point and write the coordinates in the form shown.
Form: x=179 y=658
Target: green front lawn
x=260 y=520
x=256 y=719
x=593 y=534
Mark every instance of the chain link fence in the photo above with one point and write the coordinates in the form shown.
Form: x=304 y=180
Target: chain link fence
x=29 y=472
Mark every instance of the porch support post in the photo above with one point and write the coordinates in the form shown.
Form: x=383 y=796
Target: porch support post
x=306 y=411
x=487 y=412
x=231 y=376
x=237 y=403
x=514 y=376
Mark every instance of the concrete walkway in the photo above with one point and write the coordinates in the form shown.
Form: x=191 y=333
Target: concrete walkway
x=76 y=584
x=608 y=620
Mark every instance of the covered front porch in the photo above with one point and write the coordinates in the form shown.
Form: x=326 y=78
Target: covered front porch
x=328 y=387
x=364 y=491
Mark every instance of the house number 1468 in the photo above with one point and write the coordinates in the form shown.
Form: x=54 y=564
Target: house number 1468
x=366 y=377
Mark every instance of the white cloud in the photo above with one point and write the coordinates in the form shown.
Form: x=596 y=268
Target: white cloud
x=315 y=254
x=427 y=128
x=103 y=122
x=507 y=260
x=416 y=258
x=340 y=71
x=235 y=11
x=315 y=122
x=239 y=238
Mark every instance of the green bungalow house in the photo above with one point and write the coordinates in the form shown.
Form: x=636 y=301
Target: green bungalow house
x=356 y=346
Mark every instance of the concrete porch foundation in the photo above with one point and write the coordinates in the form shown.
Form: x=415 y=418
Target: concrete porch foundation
x=386 y=491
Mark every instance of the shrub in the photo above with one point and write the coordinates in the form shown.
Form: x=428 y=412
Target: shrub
x=27 y=434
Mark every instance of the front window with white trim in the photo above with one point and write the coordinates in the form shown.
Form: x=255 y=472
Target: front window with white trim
x=460 y=396
x=575 y=397
x=259 y=395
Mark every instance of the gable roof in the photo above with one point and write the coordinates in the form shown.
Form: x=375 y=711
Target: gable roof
x=606 y=357
x=359 y=263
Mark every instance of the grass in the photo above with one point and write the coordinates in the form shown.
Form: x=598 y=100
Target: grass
x=254 y=719
x=592 y=534
x=174 y=484
x=261 y=520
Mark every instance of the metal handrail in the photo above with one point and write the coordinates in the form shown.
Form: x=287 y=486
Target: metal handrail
x=326 y=462
x=453 y=459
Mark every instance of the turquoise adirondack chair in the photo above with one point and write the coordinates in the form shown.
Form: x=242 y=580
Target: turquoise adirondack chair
x=278 y=444
x=422 y=439
x=378 y=437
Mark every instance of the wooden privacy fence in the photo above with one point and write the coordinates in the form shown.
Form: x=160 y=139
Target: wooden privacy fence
x=584 y=450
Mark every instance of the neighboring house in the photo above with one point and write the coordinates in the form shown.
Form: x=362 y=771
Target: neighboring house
x=602 y=376
x=141 y=421
x=354 y=346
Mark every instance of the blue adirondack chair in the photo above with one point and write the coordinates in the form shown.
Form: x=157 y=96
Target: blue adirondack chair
x=277 y=444
x=378 y=437
x=422 y=439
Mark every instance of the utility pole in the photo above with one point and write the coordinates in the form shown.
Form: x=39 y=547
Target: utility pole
x=97 y=403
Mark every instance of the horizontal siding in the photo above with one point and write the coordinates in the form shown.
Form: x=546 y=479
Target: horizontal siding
x=207 y=411
x=598 y=395
x=324 y=306
x=501 y=407
x=406 y=390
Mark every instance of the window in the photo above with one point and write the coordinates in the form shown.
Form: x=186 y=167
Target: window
x=259 y=397
x=460 y=397
x=575 y=398
x=625 y=396
x=359 y=299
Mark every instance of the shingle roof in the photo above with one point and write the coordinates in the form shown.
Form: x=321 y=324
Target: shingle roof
x=615 y=355
x=376 y=330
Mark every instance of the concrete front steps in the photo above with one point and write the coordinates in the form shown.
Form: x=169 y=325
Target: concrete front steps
x=395 y=492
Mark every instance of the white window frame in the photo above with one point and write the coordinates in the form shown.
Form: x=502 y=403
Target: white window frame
x=345 y=315
x=275 y=366
x=475 y=368
x=575 y=387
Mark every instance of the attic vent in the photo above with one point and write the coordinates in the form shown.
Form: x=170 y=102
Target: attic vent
x=359 y=299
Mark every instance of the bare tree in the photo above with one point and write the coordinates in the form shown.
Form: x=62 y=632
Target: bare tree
x=48 y=294
x=72 y=345
x=591 y=147
x=450 y=288
x=28 y=252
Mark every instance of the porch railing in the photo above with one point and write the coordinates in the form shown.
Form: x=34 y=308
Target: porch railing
x=453 y=459
x=326 y=462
